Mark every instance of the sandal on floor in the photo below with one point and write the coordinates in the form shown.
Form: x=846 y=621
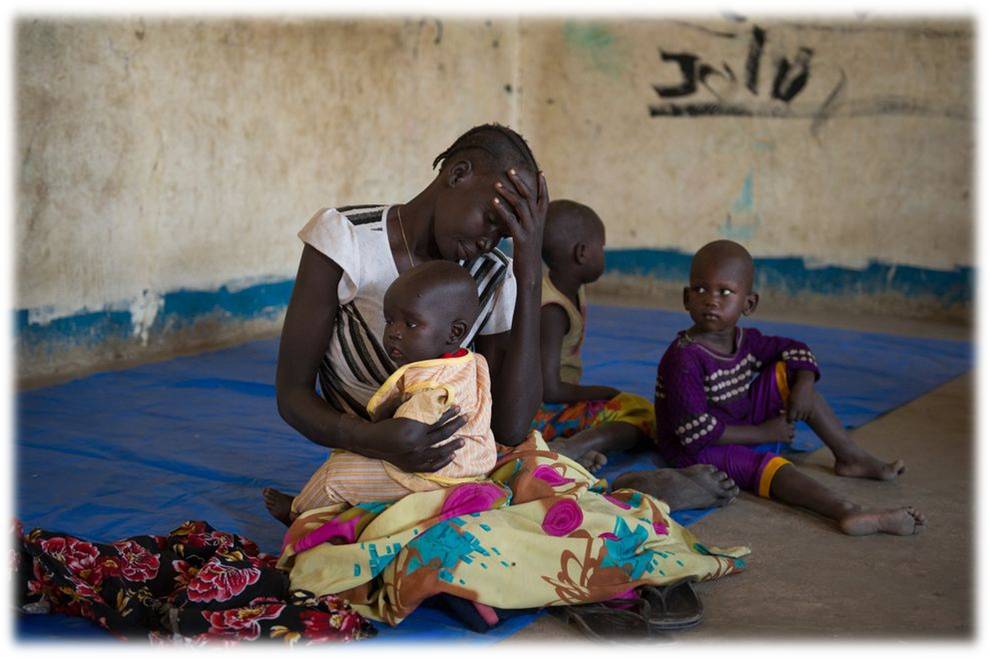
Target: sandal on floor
x=672 y=607
x=608 y=621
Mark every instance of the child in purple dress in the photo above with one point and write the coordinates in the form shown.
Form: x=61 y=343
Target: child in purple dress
x=722 y=389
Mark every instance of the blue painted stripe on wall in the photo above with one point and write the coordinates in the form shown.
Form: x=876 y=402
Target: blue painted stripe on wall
x=791 y=275
x=180 y=308
x=268 y=300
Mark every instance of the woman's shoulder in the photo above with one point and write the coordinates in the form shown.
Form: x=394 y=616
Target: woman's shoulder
x=362 y=214
x=346 y=217
x=332 y=230
x=492 y=273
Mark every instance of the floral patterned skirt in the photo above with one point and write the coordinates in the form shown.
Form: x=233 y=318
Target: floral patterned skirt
x=541 y=531
x=557 y=420
x=194 y=585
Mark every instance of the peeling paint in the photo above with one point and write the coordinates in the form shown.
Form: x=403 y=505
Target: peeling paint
x=143 y=310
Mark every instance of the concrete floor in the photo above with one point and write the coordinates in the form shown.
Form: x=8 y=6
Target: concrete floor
x=807 y=581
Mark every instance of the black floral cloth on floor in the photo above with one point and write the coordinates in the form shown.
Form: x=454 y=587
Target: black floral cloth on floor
x=195 y=585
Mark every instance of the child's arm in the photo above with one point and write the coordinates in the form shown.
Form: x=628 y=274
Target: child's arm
x=680 y=397
x=553 y=326
x=801 y=363
x=426 y=405
x=795 y=354
x=778 y=429
x=681 y=404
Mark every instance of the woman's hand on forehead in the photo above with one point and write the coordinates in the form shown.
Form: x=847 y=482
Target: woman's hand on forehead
x=525 y=210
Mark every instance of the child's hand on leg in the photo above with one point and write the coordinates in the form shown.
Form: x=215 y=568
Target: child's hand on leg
x=778 y=429
x=801 y=401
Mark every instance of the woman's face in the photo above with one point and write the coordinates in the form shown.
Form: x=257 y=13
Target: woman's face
x=465 y=223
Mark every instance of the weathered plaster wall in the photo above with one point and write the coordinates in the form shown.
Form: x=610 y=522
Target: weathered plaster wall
x=164 y=155
x=870 y=159
x=157 y=156
x=166 y=165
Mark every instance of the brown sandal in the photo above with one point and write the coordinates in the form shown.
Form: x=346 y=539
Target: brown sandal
x=615 y=620
x=674 y=606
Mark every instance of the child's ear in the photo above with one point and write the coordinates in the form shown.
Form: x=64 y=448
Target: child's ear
x=580 y=253
x=459 y=172
x=458 y=329
x=752 y=300
x=687 y=290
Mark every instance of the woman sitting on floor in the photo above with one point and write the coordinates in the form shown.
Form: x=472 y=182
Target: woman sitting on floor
x=488 y=187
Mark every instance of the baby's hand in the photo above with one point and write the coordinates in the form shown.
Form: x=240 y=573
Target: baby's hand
x=777 y=429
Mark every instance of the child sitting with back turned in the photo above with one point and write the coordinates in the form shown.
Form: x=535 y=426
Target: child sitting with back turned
x=722 y=389
x=428 y=311
x=578 y=420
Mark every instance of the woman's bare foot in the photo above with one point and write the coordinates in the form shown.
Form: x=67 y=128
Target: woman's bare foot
x=864 y=465
x=697 y=486
x=279 y=504
x=895 y=521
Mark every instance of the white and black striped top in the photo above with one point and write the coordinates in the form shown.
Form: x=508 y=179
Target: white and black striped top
x=355 y=363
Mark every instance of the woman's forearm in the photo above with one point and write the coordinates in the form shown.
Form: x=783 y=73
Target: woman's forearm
x=313 y=418
x=518 y=390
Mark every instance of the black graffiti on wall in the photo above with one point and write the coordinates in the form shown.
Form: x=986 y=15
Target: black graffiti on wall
x=769 y=83
x=790 y=76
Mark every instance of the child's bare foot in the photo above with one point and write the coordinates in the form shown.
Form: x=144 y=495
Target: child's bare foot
x=895 y=521
x=589 y=459
x=582 y=452
x=279 y=504
x=592 y=461
x=864 y=465
x=697 y=486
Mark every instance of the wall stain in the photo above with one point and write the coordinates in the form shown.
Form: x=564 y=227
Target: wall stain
x=744 y=206
x=597 y=42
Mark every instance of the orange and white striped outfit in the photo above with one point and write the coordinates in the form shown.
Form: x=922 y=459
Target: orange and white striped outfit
x=422 y=391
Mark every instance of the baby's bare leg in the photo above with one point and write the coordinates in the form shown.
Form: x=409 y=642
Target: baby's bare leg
x=850 y=459
x=794 y=488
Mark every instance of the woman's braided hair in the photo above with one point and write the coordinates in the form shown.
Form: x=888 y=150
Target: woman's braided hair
x=504 y=146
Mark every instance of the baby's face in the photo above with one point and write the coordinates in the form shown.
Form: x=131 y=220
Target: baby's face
x=414 y=330
x=717 y=295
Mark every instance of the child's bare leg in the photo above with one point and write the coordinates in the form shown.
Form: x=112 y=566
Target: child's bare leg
x=850 y=459
x=586 y=447
x=279 y=504
x=792 y=487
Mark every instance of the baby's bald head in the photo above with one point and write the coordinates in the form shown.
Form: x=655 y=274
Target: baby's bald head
x=429 y=311
x=443 y=288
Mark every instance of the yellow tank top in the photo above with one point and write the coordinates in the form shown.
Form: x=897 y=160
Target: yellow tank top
x=570 y=347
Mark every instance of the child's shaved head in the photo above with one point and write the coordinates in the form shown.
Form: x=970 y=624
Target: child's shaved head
x=728 y=256
x=568 y=224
